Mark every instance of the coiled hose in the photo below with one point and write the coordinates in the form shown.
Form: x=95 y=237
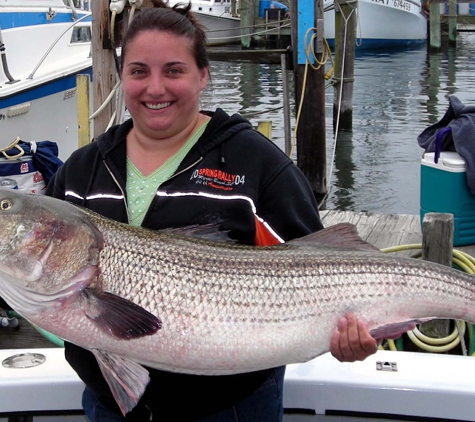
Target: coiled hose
x=463 y=262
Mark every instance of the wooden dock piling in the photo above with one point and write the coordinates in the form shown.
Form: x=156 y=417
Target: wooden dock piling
x=434 y=33
x=345 y=38
x=435 y=40
x=103 y=69
x=437 y=238
x=437 y=246
x=247 y=11
x=309 y=94
x=83 y=107
x=452 y=22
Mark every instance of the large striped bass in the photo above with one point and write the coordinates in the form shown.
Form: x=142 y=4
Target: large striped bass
x=175 y=302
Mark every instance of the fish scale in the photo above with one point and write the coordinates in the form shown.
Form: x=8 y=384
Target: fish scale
x=168 y=300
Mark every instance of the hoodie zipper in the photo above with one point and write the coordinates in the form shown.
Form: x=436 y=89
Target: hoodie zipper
x=182 y=171
x=121 y=190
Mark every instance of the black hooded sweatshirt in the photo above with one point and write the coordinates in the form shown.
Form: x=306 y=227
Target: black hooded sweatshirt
x=233 y=177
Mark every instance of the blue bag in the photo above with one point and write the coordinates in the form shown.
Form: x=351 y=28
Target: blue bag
x=28 y=166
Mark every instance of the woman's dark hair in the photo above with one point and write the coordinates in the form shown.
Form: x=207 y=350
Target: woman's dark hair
x=177 y=20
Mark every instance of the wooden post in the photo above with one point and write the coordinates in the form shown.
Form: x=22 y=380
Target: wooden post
x=452 y=22
x=234 y=7
x=437 y=246
x=285 y=93
x=437 y=239
x=435 y=40
x=103 y=69
x=247 y=23
x=311 y=131
x=345 y=38
x=83 y=112
x=265 y=127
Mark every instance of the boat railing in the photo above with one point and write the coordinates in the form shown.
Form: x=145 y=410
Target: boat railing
x=55 y=42
x=73 y=9
x=10 y=78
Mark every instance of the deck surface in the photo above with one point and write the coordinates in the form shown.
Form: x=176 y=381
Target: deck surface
x=384 y=230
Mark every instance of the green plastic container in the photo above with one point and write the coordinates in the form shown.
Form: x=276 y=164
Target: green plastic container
x=444 y=189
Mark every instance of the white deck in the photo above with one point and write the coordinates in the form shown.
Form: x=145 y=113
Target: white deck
x=424 y=385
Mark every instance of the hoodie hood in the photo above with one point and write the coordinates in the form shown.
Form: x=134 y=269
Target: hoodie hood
x=221 y=128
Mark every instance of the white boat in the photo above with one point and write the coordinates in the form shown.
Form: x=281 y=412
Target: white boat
x=222 y=26
x=383 y=23
x=380 y=23
x=44 y=45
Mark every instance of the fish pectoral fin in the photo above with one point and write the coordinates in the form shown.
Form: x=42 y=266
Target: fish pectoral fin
x=119 y=317
x=395 y=330
x=126 y=378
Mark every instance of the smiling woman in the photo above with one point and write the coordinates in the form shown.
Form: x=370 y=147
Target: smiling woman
x=162 y=85
x=173 y=166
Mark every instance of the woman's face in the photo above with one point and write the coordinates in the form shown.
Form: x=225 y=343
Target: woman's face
x=161 y=83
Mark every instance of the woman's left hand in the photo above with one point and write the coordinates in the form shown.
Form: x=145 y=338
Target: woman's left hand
x=352 y=340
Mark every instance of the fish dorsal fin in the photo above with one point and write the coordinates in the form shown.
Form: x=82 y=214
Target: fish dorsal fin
x=341 y=235
x=210 y=232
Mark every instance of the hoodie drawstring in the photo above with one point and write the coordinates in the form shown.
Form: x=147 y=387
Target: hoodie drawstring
x=222 y=160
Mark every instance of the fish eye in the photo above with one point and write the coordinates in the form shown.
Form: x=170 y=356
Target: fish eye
x=5 y=204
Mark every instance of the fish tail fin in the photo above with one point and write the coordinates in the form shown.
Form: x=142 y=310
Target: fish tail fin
x=395 y=330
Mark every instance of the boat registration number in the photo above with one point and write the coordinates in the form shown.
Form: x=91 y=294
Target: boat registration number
x=401 y=4
x=397 y=4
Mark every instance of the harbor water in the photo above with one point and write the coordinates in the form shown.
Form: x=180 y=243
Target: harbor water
x=397 y=94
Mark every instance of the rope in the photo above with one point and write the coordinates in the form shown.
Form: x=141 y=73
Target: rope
x=440 y=345
x=337 y=125
x=308 y=47
x=106 y=101
x=13 y=144
x=249 y=35
x=257 y=113
x=112 y=27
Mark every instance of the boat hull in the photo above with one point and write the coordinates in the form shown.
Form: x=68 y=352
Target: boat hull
x=44 y=112
x=384 y=24
x=46 y=46
x=221 y=26
x=220 y=30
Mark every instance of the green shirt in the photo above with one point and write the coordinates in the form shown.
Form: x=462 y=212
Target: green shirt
x=141 y=189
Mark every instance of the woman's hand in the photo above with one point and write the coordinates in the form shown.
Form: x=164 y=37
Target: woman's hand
x=352 y=340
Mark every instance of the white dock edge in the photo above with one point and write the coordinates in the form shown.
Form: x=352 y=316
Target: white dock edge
x=424 y=385
x=51 y=386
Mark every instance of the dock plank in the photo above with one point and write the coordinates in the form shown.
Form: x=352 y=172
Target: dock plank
x=381 y=230
x=384 y=230
x=26 y=337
